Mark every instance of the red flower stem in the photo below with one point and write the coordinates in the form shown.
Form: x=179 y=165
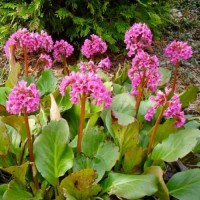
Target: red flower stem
x=81 y=123
x=66 y=70
x=139 y=97
x=92 y=57
x=153 y=132
x=25 y=60
x=175 y=75
x=30 y=150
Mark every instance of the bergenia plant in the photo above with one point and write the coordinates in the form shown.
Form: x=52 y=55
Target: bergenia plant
x=144 y=74
x=170 y=108
x=177 y=51
x=83 y=87
x=127 y=138
x=61 y=51
x=25 y=99
x=137 y=37
x=28 y=42
x=93 y=46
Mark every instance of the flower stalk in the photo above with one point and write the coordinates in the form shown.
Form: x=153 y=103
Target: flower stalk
x=175 y=76
x=81 y=123
x=153 y=132
x=30 y=150
x=66 y=70
x=25 y=60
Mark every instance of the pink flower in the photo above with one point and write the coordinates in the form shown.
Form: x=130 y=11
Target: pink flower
x=93 y=46
x=89 y=84
x=105 y=63
x=144 y=71
x=45 y=41
x=178 y=51
x=32 y=41
x=46 y=59
x=92 y=67
x=23 y=98
x=137 y=37
x=88 y=67
x=62 y=48
x=172 y=110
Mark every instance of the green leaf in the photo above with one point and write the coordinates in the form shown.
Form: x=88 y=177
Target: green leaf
x=73 y=117
x=4 y=92
x=47 y=82
x=51 y=149
x=123 y=108
x=4 y=140
x=163 y=192
x=64 y=102
x=185 y=185
x=104 y=152
x=130 y=186
x=16 y=191
x=91 y=141
x=81 y=184
x=133 y=159
x=176 y=145
x=3 y=188
x=189 y=95
x=18 y=172
x=126 y=136
x=164 y=130
x=14 y=69
x=165 y=76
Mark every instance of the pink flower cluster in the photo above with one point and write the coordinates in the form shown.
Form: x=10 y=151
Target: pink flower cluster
x=144 y=71
x=23 y=97
x=137 y=37
x=31 y=40
x=62 y=48
x=89 y=84
x=92 y=67
x=173 y=107
x=46 y=60
x=93 y=46
x=177 y=51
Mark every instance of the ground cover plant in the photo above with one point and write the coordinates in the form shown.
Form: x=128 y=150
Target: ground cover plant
x=95 y=135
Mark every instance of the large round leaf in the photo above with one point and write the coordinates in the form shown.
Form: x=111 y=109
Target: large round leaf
x=176 y=145
x=123 y=108
x=185 y=185
x=53 y=156
x=130 y=186
x=47 y=82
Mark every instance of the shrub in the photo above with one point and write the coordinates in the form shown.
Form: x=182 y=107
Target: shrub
x=76 y=19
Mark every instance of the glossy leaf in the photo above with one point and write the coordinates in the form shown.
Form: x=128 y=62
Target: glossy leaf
x=51 y=149
x=3 y=188
x=163 y=193
x=18 y=172
x=14 y=69
x=104 y=152
x=130 y=186
x=4 y=92
x=81 y=184
x=4 y=140
x=176 y=145
x=91 y=141
x=189 y=95
x=47 y=82
x=185 y=185
x=123 y=108
x=164 y=130
x=126 y=136
x=16 y=191
x=165 y=75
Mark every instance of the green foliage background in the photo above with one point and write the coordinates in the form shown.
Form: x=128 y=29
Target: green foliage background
x=75 y=20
